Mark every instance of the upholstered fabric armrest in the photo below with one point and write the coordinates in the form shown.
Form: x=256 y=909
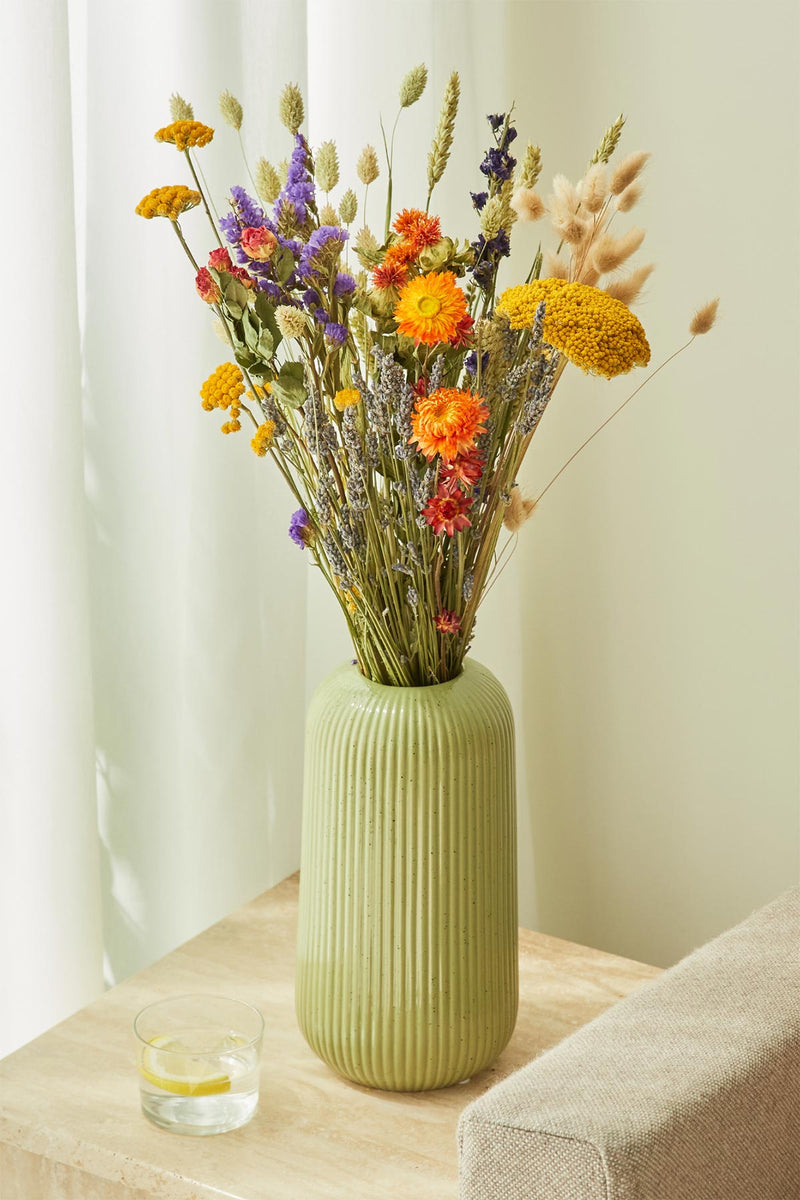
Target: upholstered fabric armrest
x=689 y=1089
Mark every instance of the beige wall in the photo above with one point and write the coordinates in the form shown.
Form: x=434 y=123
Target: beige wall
x=648 y=628
x=658 y=582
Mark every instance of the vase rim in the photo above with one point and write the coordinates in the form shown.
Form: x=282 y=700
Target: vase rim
x=468 y=666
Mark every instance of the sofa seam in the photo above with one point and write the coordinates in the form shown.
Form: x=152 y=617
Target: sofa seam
x=564 y=1137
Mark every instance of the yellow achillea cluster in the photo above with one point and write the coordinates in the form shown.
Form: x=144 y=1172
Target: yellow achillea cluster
x=345 y=398
x=168 y=202
x=262 y=440
x=224 y=389
x=590 y=328
x=184 y=134
x=261 y=389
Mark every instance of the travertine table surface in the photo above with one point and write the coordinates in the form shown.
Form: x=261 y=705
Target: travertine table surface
x=71 y=1127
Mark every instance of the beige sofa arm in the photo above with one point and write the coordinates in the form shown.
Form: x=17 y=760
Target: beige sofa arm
x=689 y=1089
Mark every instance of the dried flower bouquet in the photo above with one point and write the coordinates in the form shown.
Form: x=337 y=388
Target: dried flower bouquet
x=388 y=383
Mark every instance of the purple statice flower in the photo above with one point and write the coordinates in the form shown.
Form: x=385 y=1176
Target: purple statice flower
x=231 y=229
x=300 y=529
x=335 y=334
x=273 y=290
x=245 y=214
x=320 y=239
x=498 y=164
x=321 y=249
x=321 y=314
x=479 y=200
x=471 y=362
x=250 y=213
x=487 y=257
x=310 y=298
x=496 y=120
x=299 y=188
x=344 y=284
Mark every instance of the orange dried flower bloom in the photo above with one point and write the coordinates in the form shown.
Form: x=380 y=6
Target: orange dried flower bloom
x=390 y=275
x=223 y=388
x=168 y=202
x=399 y=254
x=431 y=308
x=184 y=134
x=447 y=422
x=418 y=228
x=447 y=621
x=446 y=512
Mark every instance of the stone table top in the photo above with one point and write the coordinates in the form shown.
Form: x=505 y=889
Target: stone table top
x=71 y=1127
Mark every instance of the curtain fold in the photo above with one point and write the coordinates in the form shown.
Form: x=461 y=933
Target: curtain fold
x=50 y=904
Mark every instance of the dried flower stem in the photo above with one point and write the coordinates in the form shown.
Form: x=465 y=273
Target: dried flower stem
x=202 y=192
x=610 y=418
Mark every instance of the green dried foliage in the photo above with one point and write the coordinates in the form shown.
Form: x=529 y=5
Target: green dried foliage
x=268 y=185
x=326 y=168
x=348 y=207
x=180 y=109
x=443 y=137
x=531 y=167
x=231 y=110
x=291 y=110
x=609 y=142
x=413 y=85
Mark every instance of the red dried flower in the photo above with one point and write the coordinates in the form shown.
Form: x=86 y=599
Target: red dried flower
x=447 y=622
x=465 y=468
x=446 y=512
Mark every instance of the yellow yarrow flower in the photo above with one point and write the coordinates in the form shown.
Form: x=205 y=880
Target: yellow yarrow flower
x=223 y=389
x=168 y=202
x=590 y=328
x=262 y=440
x=184 y=134
x=262 y=390
x=345 y=398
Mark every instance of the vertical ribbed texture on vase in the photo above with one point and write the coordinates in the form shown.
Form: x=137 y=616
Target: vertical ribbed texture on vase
x=407 y=933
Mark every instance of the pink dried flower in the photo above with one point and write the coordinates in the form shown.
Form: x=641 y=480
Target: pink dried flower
x=220 y=259
x=258 y=243
x=207 y=288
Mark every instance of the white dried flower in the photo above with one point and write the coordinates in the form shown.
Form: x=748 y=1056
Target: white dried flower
x=291 y=321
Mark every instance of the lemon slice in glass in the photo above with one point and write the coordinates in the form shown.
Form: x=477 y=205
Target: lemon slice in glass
x=167 y=1063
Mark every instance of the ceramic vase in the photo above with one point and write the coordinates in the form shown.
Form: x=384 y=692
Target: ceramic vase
x=407 y=973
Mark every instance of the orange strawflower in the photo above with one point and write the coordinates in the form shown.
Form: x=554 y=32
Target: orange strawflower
x=447 y=422
x=431 y=308
x=399 y=254
x=418 y=228
x=389 y=275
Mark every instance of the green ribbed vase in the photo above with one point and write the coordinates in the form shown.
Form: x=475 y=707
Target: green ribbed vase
x=407 y=975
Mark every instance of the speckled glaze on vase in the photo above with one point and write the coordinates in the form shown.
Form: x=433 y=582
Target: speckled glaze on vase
x=407 y=976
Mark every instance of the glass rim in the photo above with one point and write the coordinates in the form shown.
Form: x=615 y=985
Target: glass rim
x=197 y=996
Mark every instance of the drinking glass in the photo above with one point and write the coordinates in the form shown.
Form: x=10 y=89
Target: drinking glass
x=198 y=1059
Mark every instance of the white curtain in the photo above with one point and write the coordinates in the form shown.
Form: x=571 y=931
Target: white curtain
x=160 y=634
